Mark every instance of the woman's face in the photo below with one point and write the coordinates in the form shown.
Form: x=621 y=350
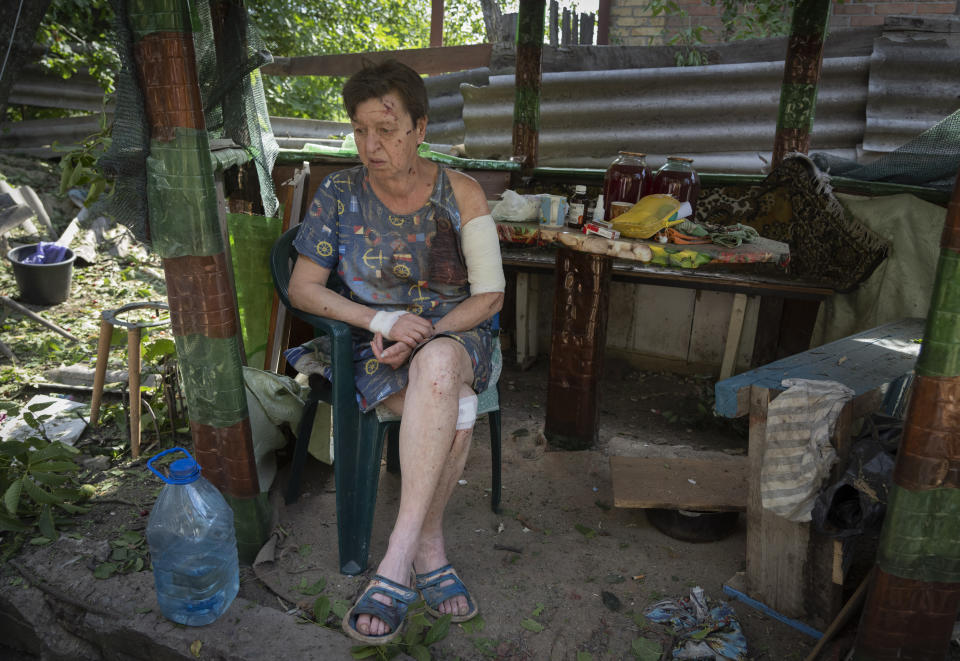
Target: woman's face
x=387 y=138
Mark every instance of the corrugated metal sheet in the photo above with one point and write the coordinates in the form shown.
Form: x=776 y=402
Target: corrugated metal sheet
x=913 y=85
x=446 y=103
x=724 y=116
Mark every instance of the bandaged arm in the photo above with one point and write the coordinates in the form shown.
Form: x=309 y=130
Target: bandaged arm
x=481 y=252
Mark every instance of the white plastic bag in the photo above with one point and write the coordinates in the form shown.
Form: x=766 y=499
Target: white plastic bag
x=516 y=207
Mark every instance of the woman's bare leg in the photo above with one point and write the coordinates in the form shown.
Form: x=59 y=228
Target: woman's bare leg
x=432 y=456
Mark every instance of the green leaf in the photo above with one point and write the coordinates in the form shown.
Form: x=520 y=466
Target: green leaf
x=310 y=590
x=585 y=531
x=38 y=494
x=40 y=541
x=531 y=625
x=536 y=611
x=439 y=630
x=45 y=523
x=53 y=467
x=131 y=538
x=321 y=609
x=16 y=449
x=420 y=653
x=105 y=570
x=340 y=607
x=55 y=450
x=363 y=651
x=646 y=650
x=39 y=406
x=584 y=656
x=11 y=498
x=473 y=626
x=50 y=479
x=12 y=524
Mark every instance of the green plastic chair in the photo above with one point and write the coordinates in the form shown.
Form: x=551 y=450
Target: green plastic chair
x=357 y=436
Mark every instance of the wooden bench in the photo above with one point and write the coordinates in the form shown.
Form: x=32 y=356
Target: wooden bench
x=790 y=567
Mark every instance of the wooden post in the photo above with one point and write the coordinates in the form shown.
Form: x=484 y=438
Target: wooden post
x=133 y=382
x=801 y=75
x=603 y=23
x=526 y=105
x=436 y=23
x=100 y=373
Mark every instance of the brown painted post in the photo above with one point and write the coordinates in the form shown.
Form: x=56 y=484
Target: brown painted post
x=185 y=232
x=912 y=606
x=436 y=23
x=526 y=105
x=801 y=75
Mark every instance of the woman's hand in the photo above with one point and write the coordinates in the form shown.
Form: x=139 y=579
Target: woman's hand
x=393 y=356
x=411 y=330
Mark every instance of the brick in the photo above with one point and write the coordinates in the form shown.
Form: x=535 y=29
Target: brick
x=936 y=7
x=864 y=21
x=851 y=8
x=839 y=22
x=630 y=22
x=885 y=8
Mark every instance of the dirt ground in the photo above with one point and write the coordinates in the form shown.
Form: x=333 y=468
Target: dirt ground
x=558 y=554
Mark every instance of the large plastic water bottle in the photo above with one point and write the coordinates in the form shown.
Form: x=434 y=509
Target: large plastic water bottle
x=193 y=545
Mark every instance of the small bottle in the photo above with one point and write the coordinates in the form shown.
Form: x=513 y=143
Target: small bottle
x=578 y=207
x=599 y=215
x=193 y=546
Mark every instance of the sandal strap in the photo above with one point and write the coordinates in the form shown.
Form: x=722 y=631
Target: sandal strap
x=394 y=613
x=434 y=593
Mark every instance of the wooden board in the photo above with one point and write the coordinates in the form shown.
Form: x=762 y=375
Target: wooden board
x=663 y=483
x=863 y=362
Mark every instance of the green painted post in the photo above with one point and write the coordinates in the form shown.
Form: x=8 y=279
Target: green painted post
x=913 y=603
x=526 y=104
x=801 y=75
x=185 y=232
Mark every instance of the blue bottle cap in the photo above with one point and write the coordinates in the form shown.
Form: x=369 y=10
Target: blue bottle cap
x=184 y=471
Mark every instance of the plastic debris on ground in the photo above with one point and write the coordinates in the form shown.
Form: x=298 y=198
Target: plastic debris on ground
x=46 y=253
x=704 y=630
x=58 y=417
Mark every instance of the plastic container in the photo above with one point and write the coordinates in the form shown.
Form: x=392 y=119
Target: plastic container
x=627 y=179
x=578 y=207
x=41 y=284
x=193 y=545
x=677 y=177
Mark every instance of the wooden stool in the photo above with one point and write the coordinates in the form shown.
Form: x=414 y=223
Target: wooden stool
x=108 y=319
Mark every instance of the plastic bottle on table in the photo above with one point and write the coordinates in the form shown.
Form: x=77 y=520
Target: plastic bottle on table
x=677 y=177
x=627 y=179
x=193 y=545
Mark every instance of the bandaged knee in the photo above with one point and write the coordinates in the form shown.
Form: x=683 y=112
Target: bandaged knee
x=481 y=252
x=468 y=412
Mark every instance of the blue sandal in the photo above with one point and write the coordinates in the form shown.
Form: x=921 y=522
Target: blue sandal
x=394 y=613
x=434 y=593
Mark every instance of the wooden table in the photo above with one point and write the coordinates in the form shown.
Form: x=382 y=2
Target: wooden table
x=583 y=267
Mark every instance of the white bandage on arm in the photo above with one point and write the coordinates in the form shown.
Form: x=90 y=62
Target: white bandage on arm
x=468 y=412
x=383 y=321
x=481 y=251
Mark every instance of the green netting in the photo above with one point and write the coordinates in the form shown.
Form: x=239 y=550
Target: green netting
x=931 y=159
x=212 y=379
x=251 y=520
x=921 y=535
x=940 y=355
x=233 y=102
x=251 y=238
x=182 y=197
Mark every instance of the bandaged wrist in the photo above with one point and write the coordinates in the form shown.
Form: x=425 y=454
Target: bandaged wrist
x=383 y=322
x=481 y=252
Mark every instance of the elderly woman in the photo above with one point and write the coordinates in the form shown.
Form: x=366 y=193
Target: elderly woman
x=420 y=278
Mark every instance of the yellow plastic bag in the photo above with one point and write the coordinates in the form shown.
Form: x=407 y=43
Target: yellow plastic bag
x=650 y=215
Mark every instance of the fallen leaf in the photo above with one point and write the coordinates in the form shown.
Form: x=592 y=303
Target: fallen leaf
x=646 y=650
x=841 y=360
x=610 y=600
x=195 y=648
x=531 y=625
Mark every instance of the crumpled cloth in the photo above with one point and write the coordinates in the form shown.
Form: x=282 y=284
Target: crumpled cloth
x=799 y=454
x=272 y=401
x=703 y=632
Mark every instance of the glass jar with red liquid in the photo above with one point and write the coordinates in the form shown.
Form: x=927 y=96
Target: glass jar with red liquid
x=627 y=179
x=677 y=177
